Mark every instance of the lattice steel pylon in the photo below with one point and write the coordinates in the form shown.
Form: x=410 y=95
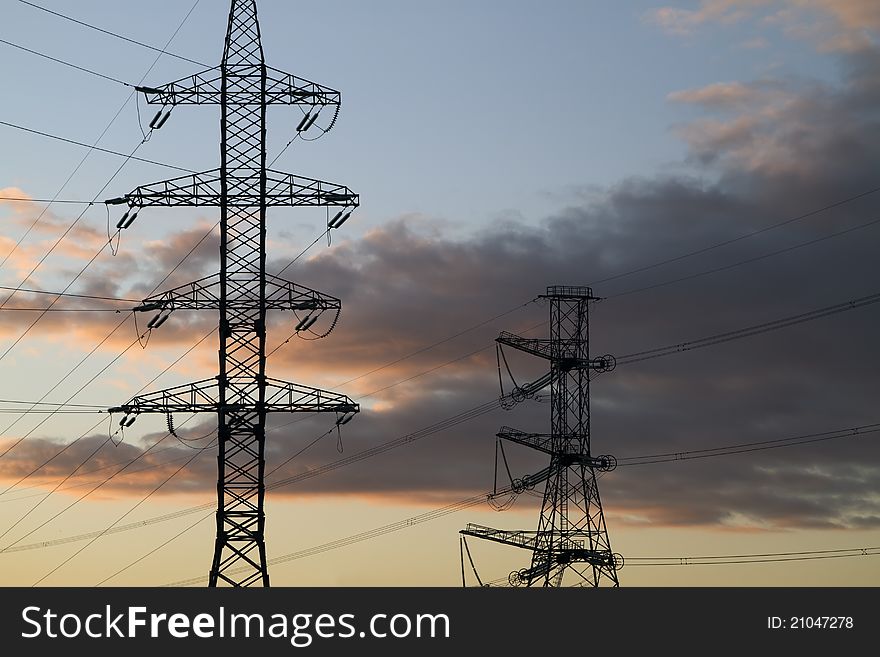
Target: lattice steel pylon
x=571 y=534
x=241 y=395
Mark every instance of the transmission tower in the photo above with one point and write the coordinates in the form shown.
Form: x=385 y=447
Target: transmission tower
x=571 y=532
x=241 y=395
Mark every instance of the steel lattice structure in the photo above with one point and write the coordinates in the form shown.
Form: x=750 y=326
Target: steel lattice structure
x=571 y=534
x=241 y=395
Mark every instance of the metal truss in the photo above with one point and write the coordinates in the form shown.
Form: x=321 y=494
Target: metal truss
x=206 y=88
x=243 y=188
x=204 y=397
x=206 y=189
x=205 y=294
x=571 y=533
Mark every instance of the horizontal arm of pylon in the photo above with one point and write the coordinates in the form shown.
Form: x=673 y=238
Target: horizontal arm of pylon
x=205 y=88
x=542 y=442
x=520 y=539
x=204 y=294
x=204 y=397
x=566 y=547
x=203 y=189
x=556 y=350
x=284 y=397
x=568 y=448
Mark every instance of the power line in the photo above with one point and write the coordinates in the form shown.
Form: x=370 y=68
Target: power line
x=66 y=63
x=677 y=456
x=70 y=295
x=453 y=421
x=634 y=561
x=82 y=214
x=100 y=137
x=43 y=200
x=157 y=548
x=624 y=360
x=195 y=524
x=185 y=257
x=42 y=422
x=61 y=310
x=85 y=473
x=99 y=485
x=30 y=411
x=83 y=462
x=91 y=147
x=476 y=412
x=772 y=557
x=478 y=499
x=85 y=157
x=403 y=358
x=461 y=504
x=43 y=259
x=55 y=404
x=785 y=222
x=749 y=447
x=750 y=331
x=110 y=33
x=747 y=261
x=124 y=515
x=717 y=245
x=90 y=262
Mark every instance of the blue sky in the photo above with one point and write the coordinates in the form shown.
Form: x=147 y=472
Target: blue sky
x=512 y=107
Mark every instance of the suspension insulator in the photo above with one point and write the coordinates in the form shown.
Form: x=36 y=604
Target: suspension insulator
x=302 y=123
x=130 y=219
x=156 y=119
x=162 y=121
x=311 y=121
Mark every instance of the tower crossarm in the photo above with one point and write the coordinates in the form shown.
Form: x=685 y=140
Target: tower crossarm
x=199 y=397
x=284 y=397
x=204 y=189
x=520 y=539
x=205 y=88
x=567 y=547
x=542 y=442
x=203 y=397
x=204 y=294
x=565 y=352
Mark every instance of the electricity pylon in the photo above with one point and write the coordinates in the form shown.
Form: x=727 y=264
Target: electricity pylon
x=571 y=532
x=241 y=395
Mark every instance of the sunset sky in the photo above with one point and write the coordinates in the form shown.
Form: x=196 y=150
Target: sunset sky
x=498 y=148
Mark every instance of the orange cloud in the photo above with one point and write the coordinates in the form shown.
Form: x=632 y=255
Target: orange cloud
x=834 y=25
x=686 y=21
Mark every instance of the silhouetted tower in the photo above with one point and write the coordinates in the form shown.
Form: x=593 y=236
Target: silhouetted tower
x=241 y=395
x=571 y=532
